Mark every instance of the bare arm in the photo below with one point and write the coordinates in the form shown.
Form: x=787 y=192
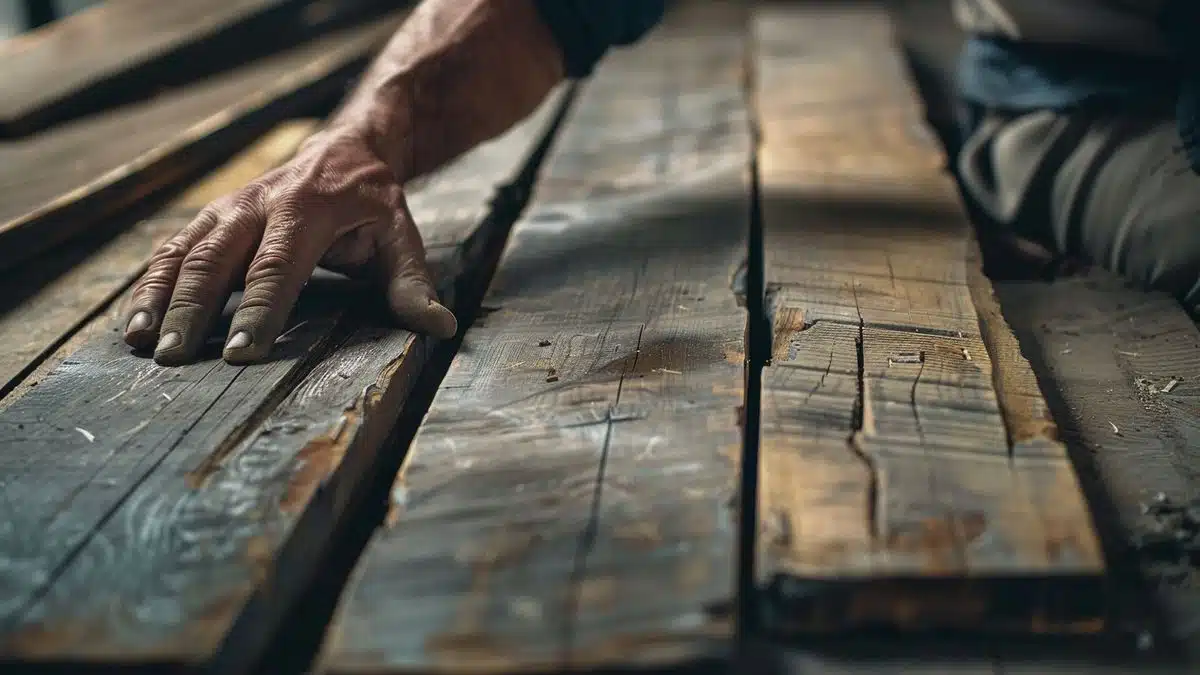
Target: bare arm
x=457 y=73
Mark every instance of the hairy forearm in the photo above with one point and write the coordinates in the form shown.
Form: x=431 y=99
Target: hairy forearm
x=457 y=73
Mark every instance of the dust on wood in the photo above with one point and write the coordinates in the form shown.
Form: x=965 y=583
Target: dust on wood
x=188 y=528
x=54 y=185
x=887 y=415
x=581 y=518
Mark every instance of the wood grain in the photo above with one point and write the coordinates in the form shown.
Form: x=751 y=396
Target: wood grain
x=56 y=71
x=180 y=512
x=566 y=503
x=57 y=184
x=52 y=297
x=907 y=475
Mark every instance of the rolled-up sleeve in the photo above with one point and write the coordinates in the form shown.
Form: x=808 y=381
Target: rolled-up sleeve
x=586 y=29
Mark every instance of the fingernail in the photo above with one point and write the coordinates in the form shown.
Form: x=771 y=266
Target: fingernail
x=169 y=341
x=240 y=340
x=139 y=321
x=446 y=323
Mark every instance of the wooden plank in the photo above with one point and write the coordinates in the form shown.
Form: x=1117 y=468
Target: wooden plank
x=899 y=485
x=181 y=512
x=80 y=61
x=52 y=297
x=567 y=500
x=1109 y=354
x=57 y=184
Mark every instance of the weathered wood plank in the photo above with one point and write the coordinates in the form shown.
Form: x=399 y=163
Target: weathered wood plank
x=57 y=184
x=180 y=512
x=52 y=297
x=567 y=500
x=889 y=489
x=55 y=72
x=1109 y=354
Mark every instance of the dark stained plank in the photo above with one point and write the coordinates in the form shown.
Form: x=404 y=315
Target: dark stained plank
x=892 y=487
x=58 y=183
x=567 y=501
x=56 y=71
x=52 y=297
x=173 y=515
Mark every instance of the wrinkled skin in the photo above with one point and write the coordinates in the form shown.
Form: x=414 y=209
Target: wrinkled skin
x=336 y=204
x=457 y=73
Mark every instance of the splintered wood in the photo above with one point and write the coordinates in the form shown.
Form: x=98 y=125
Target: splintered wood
x=173 y=516
x=908 y=475
x=567 y=501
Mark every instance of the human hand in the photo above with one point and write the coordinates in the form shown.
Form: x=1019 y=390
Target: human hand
x=335 y=204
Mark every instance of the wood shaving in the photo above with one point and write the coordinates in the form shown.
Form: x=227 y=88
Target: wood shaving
x=91 y=438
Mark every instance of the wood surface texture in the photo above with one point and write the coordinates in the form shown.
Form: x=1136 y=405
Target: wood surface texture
x=53 y=72
x=49 y=299
x=1124 y=367
x=59 y=183
x=568 y=502
x=172 y=516
x=908 y=474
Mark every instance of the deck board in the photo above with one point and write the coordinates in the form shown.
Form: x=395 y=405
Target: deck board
x=180 y=512
x=55 y=72
x=890 y=491
x=58 y=183
x=566 y=502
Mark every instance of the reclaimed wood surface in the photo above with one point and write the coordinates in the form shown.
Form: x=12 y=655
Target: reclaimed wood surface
x=59 y=183
x=906 y=477
x=56 y=71
x=567 y=502
x=51 y=298
x=172 y=516
x=1122 y=369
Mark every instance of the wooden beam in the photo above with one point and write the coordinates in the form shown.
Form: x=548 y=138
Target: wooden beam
x=58 y=184
x=54 y=296
x=71 y=66
x=568 y=500
x=908 y=475
x=181 y=512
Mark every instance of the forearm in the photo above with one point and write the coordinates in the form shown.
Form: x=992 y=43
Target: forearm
x=457 y=73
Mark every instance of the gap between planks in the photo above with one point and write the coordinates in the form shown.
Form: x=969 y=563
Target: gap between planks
x=219 y=485
x=567 y=501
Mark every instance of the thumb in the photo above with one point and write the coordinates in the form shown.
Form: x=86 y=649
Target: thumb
x=410 y=291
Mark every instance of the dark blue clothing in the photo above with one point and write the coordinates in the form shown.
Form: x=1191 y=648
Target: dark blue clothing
x=586 y=29
x=1015 y=76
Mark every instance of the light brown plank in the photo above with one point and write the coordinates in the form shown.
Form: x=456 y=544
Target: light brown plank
x=56 y=184
x=182 y=512
x=889 y=490
x=566 y=504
